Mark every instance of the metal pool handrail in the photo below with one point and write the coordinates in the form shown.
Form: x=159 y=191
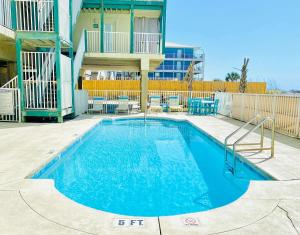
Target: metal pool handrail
x=261 y=148
x=235 y=132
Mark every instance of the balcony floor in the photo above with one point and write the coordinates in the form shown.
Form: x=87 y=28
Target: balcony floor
x=119 y=61
x=7 y=34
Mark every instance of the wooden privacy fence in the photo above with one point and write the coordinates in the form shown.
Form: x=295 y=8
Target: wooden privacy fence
x=285 y=109
x=161 y=85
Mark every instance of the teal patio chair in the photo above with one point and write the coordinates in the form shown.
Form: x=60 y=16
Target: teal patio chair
x=190 y=105
x=215 y=107
x=197 y=106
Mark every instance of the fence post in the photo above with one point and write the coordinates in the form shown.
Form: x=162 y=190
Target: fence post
x=298 y=120
x=273 y=106
x=255 y=105
x=243 y=106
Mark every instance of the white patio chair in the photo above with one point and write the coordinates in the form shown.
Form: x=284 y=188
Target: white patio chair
x=97 y=105
x=123 y=105
x=155 y=104
x=174 y=105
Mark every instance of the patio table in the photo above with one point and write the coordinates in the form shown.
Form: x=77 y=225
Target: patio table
x=208 y=106
x=110 y=105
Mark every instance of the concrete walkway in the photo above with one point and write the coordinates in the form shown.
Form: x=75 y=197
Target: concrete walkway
x=36 y=207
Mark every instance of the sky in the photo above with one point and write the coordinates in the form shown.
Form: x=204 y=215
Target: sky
x=266 y=31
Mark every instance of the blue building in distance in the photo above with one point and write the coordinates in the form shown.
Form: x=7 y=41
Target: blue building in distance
x=178 y=58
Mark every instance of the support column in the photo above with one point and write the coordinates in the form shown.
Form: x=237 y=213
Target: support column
x=102 y=28
x=164 y=17
x=71 y=55
x=58 y=79
x=145 y=67
x=132 y=27
x=144 y=90
x=19 y=48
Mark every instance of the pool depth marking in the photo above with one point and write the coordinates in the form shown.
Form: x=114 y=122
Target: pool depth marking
x=129 y=223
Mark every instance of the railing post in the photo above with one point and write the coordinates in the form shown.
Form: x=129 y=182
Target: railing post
x=164 y=26
x=58 y=78
x=243 y=106
x=298 y=120
x=56 y=16
x=274 y=106
x=255 y=105
x=20 y=74
x=13 y=15
x=132 y=27
x=85 y=40
x=102 y=28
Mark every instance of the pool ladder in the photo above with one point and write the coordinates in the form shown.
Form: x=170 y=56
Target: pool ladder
x=258 y=146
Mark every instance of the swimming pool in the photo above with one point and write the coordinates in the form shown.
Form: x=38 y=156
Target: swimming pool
x=157 y=168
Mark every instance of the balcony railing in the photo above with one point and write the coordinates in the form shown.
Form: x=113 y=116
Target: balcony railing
x=5 y=13
x=116 y=42
x=38 y=16
x=119 y=42
x=35 y=15
x=185 y=56
x=93 y=41
x=147 y=43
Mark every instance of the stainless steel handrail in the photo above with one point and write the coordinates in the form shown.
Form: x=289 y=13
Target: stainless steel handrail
x=261 y=125
x=235 y=132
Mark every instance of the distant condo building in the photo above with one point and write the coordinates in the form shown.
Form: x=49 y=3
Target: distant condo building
x=178 y=59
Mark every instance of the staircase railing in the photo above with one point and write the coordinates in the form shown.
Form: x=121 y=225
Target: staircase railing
x=5 y=15
x=35 y=15
x=39 y=80
x=257 y=146
x=10 y=110
x=79 y=57
x=13 y=83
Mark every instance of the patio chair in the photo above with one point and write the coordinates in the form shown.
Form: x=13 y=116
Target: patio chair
x=190 y=105
x=135 y=108
x=215 y=107
x=174 y=105
x=155 y=104
x=97 y=105
x=123 y=105
x=198 y=107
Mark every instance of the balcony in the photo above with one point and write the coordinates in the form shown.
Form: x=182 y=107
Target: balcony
x=39 y=16
x=183 y=56
x=119 y=42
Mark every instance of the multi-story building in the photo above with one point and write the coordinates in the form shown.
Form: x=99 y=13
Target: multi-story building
x=178 y=59
x=52 y=42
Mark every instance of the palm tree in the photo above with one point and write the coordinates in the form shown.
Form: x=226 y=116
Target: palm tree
x=243 y=82
x=232 y=77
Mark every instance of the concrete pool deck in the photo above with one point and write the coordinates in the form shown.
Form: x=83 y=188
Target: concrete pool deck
x=36 y=207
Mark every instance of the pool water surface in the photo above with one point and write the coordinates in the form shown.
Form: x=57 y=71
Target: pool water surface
x=157 y=168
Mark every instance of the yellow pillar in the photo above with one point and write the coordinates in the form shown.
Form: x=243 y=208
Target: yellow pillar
x=144 y=90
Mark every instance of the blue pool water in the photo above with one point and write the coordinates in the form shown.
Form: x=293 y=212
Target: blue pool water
x=159 y=168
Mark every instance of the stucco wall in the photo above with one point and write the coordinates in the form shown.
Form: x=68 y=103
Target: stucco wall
x=7 y=52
